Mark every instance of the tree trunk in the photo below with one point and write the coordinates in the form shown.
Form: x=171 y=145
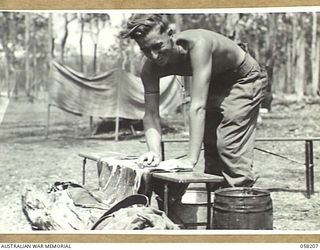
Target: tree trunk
x=299 y=82
x=27 y=46
x=270 y=50
x=95 y=59
x=256 y=50
x=318 y=60
x=231 y=21
x=95 y=38
x=293 y=51
x=280 y=77
x=5 y=39
x=314 y=56
x=64 y=39
x=289 y=69
x=35 y=82
x=270 y=59
x=50 y=50
x=178 y=22
x=291 y=56
x=51 y=37
x=7 y=67
x=12 y=39
x=81 y=43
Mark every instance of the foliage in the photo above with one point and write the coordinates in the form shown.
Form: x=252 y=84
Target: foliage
x=272 y=39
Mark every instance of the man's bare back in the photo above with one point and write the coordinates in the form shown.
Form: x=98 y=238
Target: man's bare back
x=226 y=54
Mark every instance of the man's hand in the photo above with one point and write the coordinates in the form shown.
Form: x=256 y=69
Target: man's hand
x=176 y=164
x=149 y=159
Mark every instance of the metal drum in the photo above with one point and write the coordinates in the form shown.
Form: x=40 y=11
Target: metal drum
x=242 y=208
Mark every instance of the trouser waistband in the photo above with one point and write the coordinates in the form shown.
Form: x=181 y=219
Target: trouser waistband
x=243 y=69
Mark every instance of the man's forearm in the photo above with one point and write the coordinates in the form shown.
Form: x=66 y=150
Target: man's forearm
x=197 y=121
x=152 y=128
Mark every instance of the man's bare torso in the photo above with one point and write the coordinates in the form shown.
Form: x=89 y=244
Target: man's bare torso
x=226 y=54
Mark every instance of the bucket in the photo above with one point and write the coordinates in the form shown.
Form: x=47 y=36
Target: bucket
x=242 y=208
x=191 y=211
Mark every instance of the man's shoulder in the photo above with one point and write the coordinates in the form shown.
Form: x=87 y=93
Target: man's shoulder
x=193 y=34
x=193 y=37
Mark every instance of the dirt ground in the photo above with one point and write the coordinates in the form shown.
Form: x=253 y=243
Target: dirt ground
x=27 y=157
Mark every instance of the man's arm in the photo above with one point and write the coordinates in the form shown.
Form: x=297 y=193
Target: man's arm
x=151 y=120
x=201 y=60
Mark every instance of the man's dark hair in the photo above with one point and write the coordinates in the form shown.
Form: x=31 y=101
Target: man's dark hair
x=139 y=25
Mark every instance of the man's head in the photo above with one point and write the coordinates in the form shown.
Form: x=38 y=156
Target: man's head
x=152 y=34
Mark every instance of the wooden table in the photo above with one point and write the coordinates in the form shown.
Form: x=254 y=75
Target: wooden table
x=187 y=178
x=309 y=154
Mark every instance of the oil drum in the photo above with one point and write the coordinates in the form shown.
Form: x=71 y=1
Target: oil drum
x=242 y=208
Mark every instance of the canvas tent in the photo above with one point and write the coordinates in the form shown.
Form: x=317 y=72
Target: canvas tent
x=114 y=94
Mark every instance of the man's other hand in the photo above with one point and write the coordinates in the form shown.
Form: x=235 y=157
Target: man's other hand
x=176 y=164
x=149 y=159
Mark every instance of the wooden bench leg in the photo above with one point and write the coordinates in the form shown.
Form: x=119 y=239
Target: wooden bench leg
x=309 y=168
x=166 y=199
x=162 y=151
x=99 y=170
x=209 y=226
x=84 y=170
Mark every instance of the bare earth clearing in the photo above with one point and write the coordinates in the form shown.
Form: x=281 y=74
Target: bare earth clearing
x=28 y=158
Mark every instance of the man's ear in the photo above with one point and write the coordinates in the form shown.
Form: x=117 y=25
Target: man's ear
x=170 y=32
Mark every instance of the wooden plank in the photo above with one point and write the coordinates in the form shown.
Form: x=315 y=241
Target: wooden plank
x=188 y=177
x=257 y=139
x=106 y=155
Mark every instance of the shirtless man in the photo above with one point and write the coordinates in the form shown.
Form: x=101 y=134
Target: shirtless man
x=226 y=91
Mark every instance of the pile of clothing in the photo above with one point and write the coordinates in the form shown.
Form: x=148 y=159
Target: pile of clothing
x=70 y=206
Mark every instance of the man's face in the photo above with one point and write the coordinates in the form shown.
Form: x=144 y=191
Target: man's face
x=156 y=46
